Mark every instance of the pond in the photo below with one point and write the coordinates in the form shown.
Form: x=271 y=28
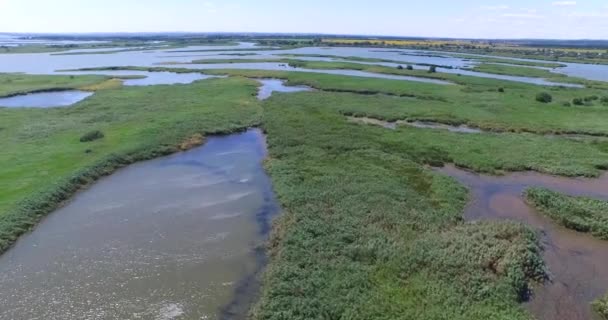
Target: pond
x=170 y=238
x=45 y=99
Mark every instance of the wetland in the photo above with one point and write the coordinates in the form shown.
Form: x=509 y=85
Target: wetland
x=242 y=181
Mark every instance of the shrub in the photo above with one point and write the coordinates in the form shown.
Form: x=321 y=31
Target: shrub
x=410 y=67
x=544 y=97
x=577 y=102
x=591 y=98
x=432 y=69
x=604 y=100
x=501 y=89
x=92 y=136
x=567 y=104
x=601 y=307
x=400 y=67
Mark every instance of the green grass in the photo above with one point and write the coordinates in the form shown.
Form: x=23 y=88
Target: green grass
x=510 y=61
x=577 y=213
x=43 y=161
x=474 y=101
x=520 y=71
x=601 y=307
x=369 y=233
x=16 y=84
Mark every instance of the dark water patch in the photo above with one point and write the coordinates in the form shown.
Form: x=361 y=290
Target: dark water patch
x=171 y=238
x=268 y=86
x=576 y=261
x=45 y=99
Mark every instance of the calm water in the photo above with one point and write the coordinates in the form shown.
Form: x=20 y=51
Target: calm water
x=171 y=238
x=576 y=261
x=149 y=78
x=268 y=86
x=47 y=63
x=45 y=99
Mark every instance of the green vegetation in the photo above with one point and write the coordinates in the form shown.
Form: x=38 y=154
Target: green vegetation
x=44 y=162
x=475 y=101
x=517 y=71
x=112 y=46
x=601 y=307
x=92 y=136
x=369 y=233
x=511 y=61
x=544 y=97
x=17 y=84
x=577 y=213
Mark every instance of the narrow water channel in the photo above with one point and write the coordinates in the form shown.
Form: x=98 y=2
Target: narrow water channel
x=577 y=262
x=171 y=238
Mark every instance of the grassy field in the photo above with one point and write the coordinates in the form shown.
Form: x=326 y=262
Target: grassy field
x=510 y=61
x=474 y=101
x=369 y=233
x=16 y=84
x=111 y=46
x=43 y=162
x=521 y=71
x=577 y=213
x=484 y=47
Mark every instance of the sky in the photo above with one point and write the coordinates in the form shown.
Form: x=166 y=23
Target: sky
x=582 y=19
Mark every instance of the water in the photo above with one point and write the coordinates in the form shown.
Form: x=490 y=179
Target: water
x=577 y=262
x=284 y=67
x=171 y=238
x=148 y=78
x=45 y=63
x=275 y=85
x=45 y=99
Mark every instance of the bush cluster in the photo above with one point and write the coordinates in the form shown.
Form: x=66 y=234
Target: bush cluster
x=92 y=136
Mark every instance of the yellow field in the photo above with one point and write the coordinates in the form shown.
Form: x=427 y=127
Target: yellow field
x=452 y=43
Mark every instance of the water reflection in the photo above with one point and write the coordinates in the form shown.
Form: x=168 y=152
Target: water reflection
x=45 y=99
x=163 y=239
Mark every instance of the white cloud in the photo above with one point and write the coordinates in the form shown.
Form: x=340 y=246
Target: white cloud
x=527 y=15
x=496 y=8
x=564 y=3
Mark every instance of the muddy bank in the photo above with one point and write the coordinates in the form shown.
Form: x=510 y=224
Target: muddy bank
x=171 y=238
x=576 y=261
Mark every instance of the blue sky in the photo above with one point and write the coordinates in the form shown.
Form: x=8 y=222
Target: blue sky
x=434 y=18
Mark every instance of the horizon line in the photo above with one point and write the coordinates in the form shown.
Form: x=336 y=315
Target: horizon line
x=98 y=33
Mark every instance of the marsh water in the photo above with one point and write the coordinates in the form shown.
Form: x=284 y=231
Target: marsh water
x=49 y=63
x=576 y=261
x=172 y=238
x=268 y=86
x=45 y=99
